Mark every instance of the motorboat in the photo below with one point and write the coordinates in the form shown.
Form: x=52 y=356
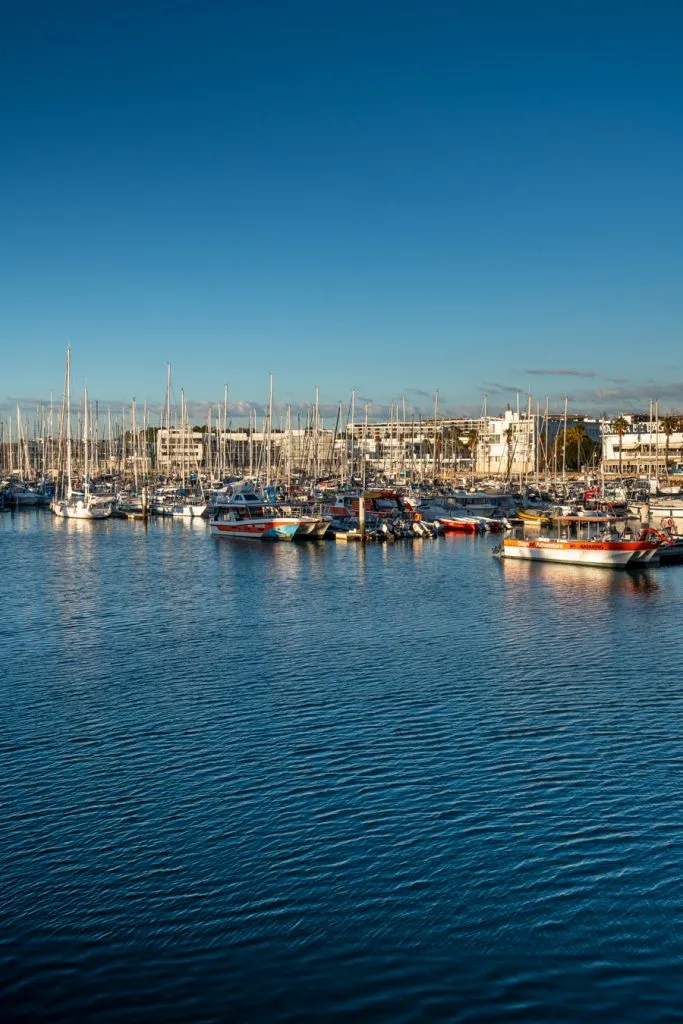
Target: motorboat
x=248 y=516
x=461 y=524
x=606 y=548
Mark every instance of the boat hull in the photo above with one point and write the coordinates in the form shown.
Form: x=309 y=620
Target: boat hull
x=188 y=511
x=80 y=511
x=306 y=528
x=601 y=554
x=456 y=525
x=268 y=529
x=21 y=499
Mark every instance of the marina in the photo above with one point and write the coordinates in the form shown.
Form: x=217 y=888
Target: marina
x=341 y=514
x=396 y=757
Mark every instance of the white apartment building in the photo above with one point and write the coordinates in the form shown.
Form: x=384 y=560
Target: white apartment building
x=180 y=449
x=642 y=451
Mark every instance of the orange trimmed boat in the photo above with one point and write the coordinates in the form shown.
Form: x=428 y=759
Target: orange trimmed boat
x=460 y=524
x=247 y=516
x=611 y=554
x=606 y=549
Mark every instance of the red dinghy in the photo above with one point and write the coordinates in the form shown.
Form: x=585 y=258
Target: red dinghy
x=460 y=524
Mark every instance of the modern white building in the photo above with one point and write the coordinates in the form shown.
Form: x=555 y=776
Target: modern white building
x=503 y=447
x=179 y=449
x=506 y=445
x=642 y=450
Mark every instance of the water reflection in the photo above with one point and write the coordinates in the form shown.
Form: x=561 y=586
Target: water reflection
x=84 y=526
x=578 y=580
x=410 y=741
x=23 y=520
x=189 y=523
x=463 y=539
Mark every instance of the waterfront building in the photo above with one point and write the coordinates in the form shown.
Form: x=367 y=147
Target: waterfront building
x=179 y=449
x=642 y=449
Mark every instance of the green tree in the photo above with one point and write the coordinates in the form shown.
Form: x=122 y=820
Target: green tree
x=509 y=435
x=579 y=436
x=669 y=425
x=620 y=427
x=471 y=446
x=579 y=447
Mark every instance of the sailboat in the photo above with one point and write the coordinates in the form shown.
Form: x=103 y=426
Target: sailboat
x=70 y=504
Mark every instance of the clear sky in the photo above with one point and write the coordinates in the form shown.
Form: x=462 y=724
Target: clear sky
x=389 y=196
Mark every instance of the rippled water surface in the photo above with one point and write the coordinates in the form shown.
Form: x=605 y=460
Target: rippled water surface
x=295 y=782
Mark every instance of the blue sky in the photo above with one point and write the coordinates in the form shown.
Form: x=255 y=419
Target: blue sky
x=396 y=197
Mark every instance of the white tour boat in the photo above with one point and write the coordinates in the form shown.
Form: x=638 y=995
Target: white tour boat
x=606 y=550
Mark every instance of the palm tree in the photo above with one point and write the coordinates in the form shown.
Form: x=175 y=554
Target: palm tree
x=620 y=427
x=509 y=434
x=579 y=434
x=669 y=425
x=572 y=439
x=471 y=445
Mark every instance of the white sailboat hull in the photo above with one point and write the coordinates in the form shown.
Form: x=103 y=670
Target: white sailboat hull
x=80 y=510
x=188 y=511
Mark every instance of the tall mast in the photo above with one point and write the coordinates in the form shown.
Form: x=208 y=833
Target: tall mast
x=183 y=434
x=353 y=434
x=168 y=419
x=86 y=488
x=316 y=449
x=365 y=443
x=403 y=439
x=20 y=447
x=528 y=454
x=484 y=429
x=289 y=448
x=224 y=460
x=134 y=431
x=49 y=448
x=208 y=458
x=564 y=444
x=145 y=425
x=68 y=422
x=436 y=413
x=270 y=420
x=96 y=438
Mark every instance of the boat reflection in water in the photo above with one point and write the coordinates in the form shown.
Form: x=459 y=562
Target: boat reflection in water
x=579 y=582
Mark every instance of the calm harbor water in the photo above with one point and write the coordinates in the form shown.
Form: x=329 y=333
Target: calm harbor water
x=318 y=782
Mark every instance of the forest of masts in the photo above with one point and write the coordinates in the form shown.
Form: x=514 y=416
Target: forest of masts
x=132 y=445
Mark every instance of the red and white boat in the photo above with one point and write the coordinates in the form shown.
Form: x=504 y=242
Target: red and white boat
x=247 y=516
x=607 y=550
x=460 y=524
x=611 y=554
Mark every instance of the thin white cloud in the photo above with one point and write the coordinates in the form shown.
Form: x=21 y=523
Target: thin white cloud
x=561 y=373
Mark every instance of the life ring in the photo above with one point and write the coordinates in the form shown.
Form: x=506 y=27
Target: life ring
x=668 y=524
x=417 y=517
